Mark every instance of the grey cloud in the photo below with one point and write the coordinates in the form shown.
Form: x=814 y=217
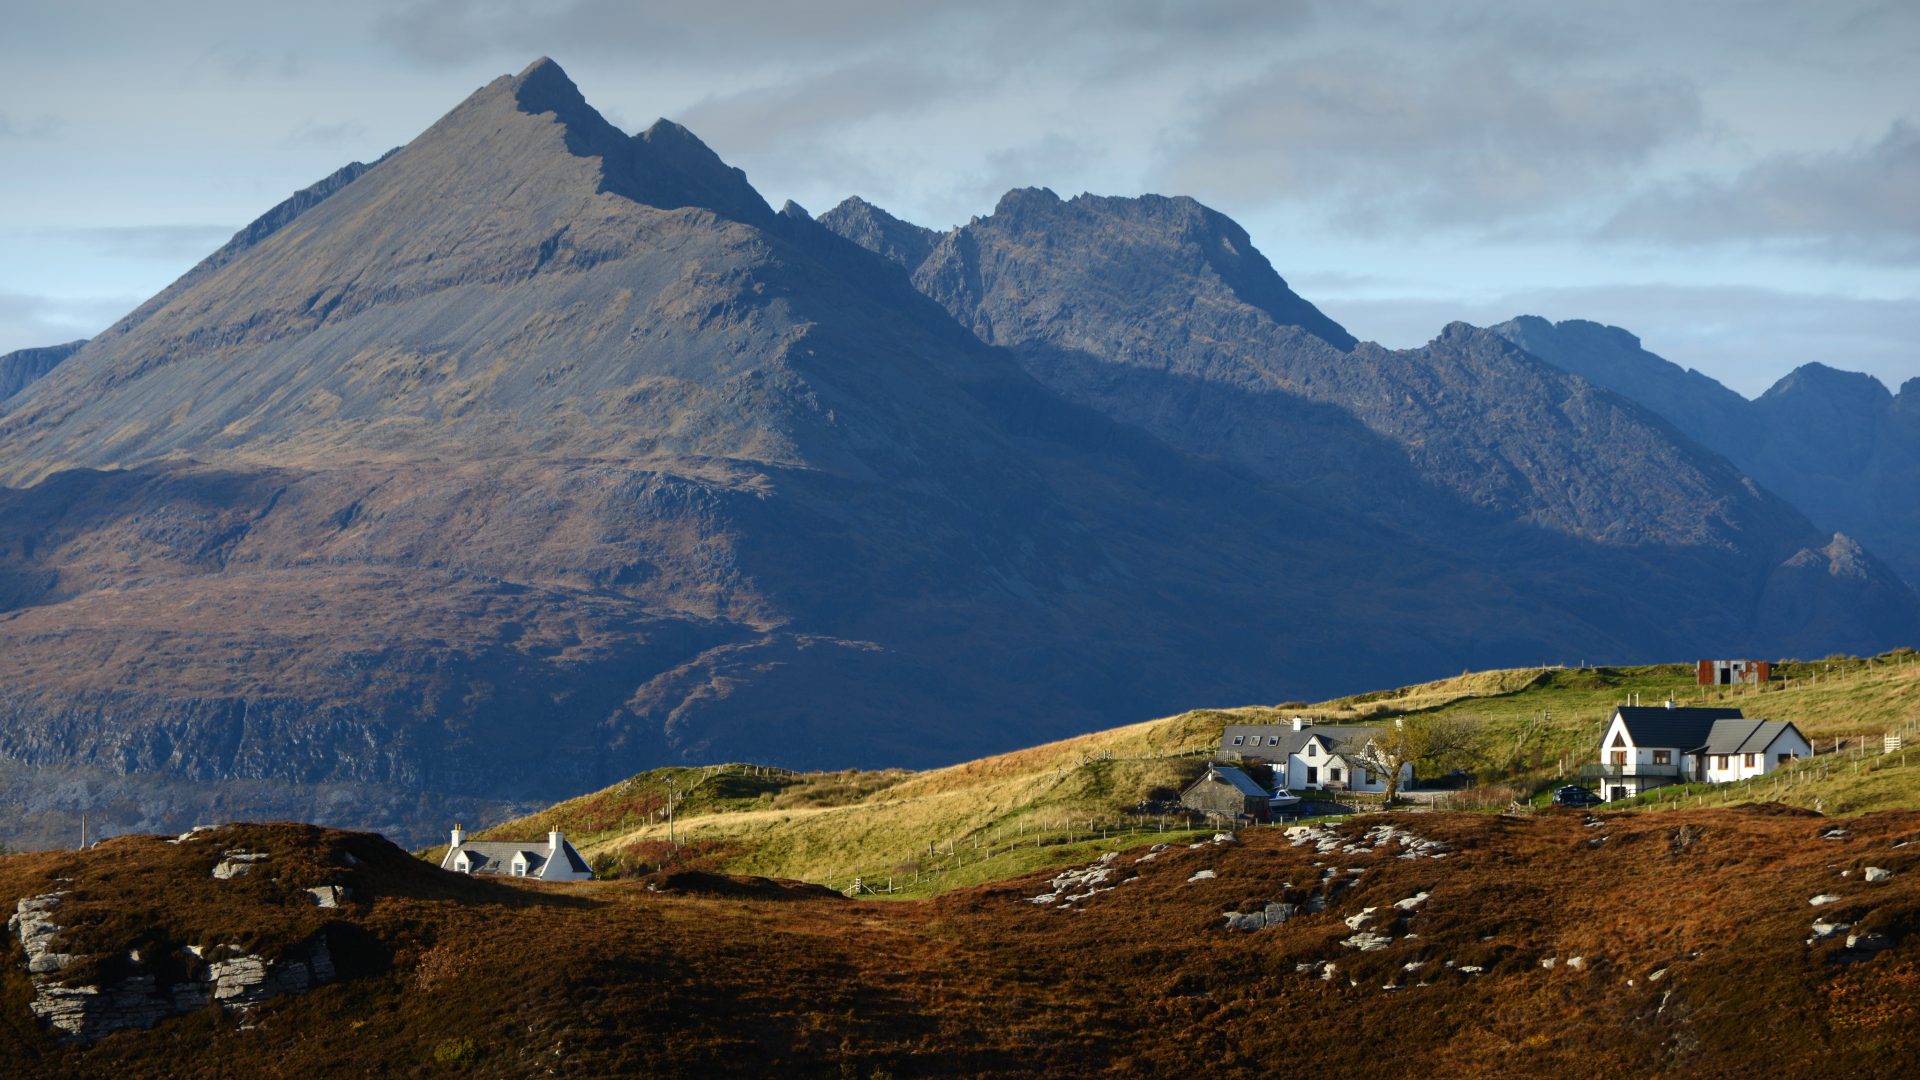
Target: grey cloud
x=1745 y=337
x=996 y=33
x=30 y=322
x=346 y=131
x=1386 y=142
x=166 y=243
x=1859 y=203
x=40 y=127
x=823 y=102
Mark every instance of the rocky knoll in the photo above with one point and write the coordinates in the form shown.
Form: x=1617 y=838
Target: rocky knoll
x=251 y=914
x=536 y=453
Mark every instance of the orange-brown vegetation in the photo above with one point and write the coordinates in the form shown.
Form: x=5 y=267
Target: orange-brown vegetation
x=691 y=973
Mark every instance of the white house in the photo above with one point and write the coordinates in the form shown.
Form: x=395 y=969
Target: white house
x=1651 y=747
x=1304 y=755
x=557 y=860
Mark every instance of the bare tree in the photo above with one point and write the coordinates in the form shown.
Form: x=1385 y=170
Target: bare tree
x=1415 y=741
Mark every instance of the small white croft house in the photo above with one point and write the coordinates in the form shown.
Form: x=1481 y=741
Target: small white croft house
x=1304 y=755
x=1649 y=747
x=556 y=860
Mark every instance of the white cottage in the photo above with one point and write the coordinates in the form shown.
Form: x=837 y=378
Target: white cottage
x=1650 y=747
x=1307 y=756
x=557 y=860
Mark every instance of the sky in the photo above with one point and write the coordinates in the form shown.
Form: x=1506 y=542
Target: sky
x=1736 y=182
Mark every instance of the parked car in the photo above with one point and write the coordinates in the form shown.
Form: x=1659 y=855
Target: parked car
x=1575 y=795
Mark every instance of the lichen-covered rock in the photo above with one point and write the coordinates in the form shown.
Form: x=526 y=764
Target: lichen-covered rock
x=232 y=864
x=330 y=896
x=1368 y=941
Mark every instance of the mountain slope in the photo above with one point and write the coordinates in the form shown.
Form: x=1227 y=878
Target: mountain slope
x=1835 y=444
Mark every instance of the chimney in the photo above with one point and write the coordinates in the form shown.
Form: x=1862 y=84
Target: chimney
x=553 y=839
x=459 y=835
x=1671 y=703
x=1298 y=723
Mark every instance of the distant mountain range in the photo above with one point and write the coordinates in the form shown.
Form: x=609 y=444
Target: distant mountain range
x=1836 y=444
x=536 y=453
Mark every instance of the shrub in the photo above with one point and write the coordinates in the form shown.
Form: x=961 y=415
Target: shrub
x=456 y=1052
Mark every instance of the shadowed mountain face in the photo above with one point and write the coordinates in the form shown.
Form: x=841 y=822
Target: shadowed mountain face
x=535 y=453
x=1834 y=443
x=1157 y=312
x=20 y=368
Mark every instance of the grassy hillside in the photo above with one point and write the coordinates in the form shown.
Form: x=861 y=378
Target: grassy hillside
x=1004 y=815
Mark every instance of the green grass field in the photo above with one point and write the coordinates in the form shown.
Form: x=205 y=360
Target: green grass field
x=1067 y=801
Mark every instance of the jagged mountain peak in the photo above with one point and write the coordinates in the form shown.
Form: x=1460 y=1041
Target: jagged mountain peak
x=1855 y=387
x=880 y=232
x=1164 y=239
x=544 y=87
x=1585 y=329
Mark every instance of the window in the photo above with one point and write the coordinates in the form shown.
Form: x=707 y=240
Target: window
x=1719 y=761
x=1238 y=739
x=1747 y=761
x=1273 y=740
x=1784 y=758
x=1619 y=738
x=1333 y=775
x=1663 y=757
x=1313 y=749
x=1313 y=775
x=1366 y=777
x=1619 y=757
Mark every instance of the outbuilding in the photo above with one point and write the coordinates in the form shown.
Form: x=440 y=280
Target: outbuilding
x=1225 y=791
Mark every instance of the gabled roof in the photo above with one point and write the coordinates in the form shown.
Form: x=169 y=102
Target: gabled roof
x=1745 y=736
x=1337 y=737
x=1683 y=729
x=496 y=856
x=1240 y=781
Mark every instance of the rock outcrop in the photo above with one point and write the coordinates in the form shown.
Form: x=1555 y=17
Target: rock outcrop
x=147 y=993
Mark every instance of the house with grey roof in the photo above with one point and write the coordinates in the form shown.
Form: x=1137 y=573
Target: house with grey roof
x=1308 y=756
x=555 y=860
x=1647 y=747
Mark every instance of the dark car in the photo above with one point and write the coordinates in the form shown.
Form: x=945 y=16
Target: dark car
x=1575 y=795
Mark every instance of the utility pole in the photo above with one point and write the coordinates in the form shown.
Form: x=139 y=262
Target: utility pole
x=671 y=800
x=83 y=830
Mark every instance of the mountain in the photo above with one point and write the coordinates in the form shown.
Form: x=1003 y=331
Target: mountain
x=535 y=453
x=1834 y=443
x=20 y=368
